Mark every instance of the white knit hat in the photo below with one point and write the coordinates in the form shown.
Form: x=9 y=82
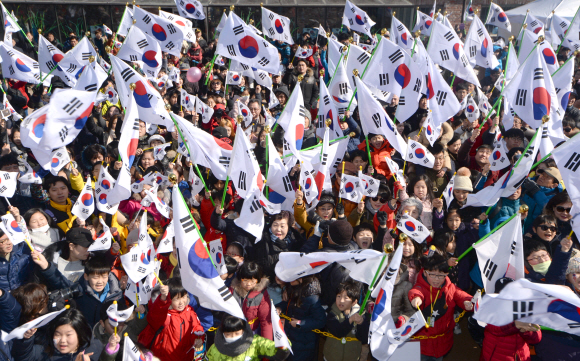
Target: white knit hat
x=462 y=183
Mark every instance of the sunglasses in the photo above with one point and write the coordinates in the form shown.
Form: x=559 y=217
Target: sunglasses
x=382 y=198
x=545 y=228
x=567 y=130
x=561 y=209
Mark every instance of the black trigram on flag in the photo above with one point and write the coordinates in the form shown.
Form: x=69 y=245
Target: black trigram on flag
x=142 y=43
x=417 y=87
x=287 y=183
x=521 y=97
x=563 y=25
x=147 y=19
x=91 y=87
x=441 y=97
x=573 y=162
x=480 y=32
x=50 y=64
x=86 y=56
x=523 y=309
x=489 y=269
x=538 y=73
x=224 y=161
x=302 y=111
x=449 y=36
x=472 y=51
x=384 y=79
x=394 y=57
x=72 y=106
x=127 y=74
x=264 y=61
x=271 y=31
x=444 y=55
x=377 y=120
x=544 y=132
x=170 y=45
x=133 y=57
x=400 y=27
x=326 y=100
x=238 y=29
x=242 y=181
x=231 y=50
x=225 y=293
x=350 y=21
x=50 y=48
x=342 y=88
x=533 y=23
x=402 y=100
x=271 y=17
x=255 y=205
x=171 y=29
x=363 y=58
x=11 y=69
x=187 y=224
x=71 y=68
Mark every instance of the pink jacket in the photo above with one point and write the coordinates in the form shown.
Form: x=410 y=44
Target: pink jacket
x=131 y=207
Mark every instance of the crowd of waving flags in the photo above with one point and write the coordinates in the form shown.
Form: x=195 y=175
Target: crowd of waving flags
x=533 y=86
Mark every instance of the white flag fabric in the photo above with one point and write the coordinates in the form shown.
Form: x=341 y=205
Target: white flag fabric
x=149 y=103
x=85 y=204
x=480 y=46
x=222 y=23
x=558 y=29
x=190 y=9
x=49 y=57
x=244 y=170
x=549 y=56
x=307 y=182
x=501 y=254
x=412 y=86
x=424 y=23
x=363 y=264
x=567 y=157
x=562 y=83
x=446 y=49
x=116 y=316
x=161 y=206
x=130 y=351
x=137 y=263
x=374 y=119
x=534 y=24
x=277 y=27
x=136 y=290
x=432 y=131
x=368 y=185
x=448 y=192
x=30 y=176
x=292 y=120
x=184 y=25
x=82 y=52
x=400 y=34
x=244 y=111
x=187 y=101
x=217 y=253
x=16 y=65
x=498 y=158
x=203 y=110
x=60 y=158
x=164 y=31
x=335 y=50
x=167 y=239
x=141 y=47
x=12 y=229
x=8 y=183
x=10 y=22
x=548 y=305
x=394 y=168
x=18 y=332
x=531 y=92
x=159 y=151
x=31 y=132
x=303 y=53
x=194 y=181
x=233 y=78
x=112 y=96
x=497 y=17
x=357 y=59
x=198 y=274
x=327 y=111
x=356 y=19
x=238 y=41
x=340 y=89
x=251 y=217
x=413 y=228
x=126 y=21
x=350 y=188
x=442 y=100
x=279 y=184
x=418 y=154
x=322 y=177
x=322 y=32
x=468 y=14
x=406 y=330
x=91 y=78
x=280 y=338
x=103 y=241
x=526 y=45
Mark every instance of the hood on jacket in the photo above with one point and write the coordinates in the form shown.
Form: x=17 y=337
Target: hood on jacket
x=236 y=348
x=260 y=286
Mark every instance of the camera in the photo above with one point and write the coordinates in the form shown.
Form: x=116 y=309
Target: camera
x=59 y=298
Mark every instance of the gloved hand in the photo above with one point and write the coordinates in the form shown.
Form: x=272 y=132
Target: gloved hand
x=382 y=217
x=530 y=187
x=340 y=210
x=398 y=186
x=317 y=231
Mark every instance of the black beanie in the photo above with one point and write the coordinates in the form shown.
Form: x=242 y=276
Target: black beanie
x=340 y=232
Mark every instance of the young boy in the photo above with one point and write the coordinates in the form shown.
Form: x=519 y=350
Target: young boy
x=364 y=235
x=173 y=325
x=343 y=320
x=379 y=148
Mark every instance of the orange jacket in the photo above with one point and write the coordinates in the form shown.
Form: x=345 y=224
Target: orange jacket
x=378 y=157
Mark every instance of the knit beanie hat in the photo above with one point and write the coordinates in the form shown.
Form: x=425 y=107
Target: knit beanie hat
x=340 y=232
x=462 y=183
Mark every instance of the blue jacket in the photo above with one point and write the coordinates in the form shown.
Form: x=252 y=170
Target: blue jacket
x=284 y=50
x=203 y=314
x=15 y=272
x=27 y=350
x=10 y=311
x=537 y=203
x=354 y=141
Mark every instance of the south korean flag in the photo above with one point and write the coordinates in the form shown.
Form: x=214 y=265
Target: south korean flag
x=140 y=47
x=85 y=204
x=187 y=101
x=498 y=159
x=350 y=188
x=103 y=186
x=194 y=181
x=16 y=65
x=368 y=185
x=204 y=111
x=190 y=9
x=233 y=78
x=413 y=228
x=276 y=27
x=104 y=239
x=356 y=19
x=418 y=154
x=164 y=31
x=60 y=158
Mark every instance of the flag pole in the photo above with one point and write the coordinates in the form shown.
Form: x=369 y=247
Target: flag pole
x=210 y=68
x=320 y=144
x=339 y=197
x=267 y=130
x=188 y=151
x=441 y=196
x=566 y=32
x=239 y=120
x=22 y=31
x=226 y=91
x=372 y=285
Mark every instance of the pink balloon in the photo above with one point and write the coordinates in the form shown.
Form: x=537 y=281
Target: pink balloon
x=193 y=74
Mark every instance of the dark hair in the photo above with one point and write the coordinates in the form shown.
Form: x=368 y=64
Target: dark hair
x=77 y=321
x=436 y=148
x=550 y=163
x=351 y=287
x=428 y=183
x=97 y=266
x=239 y=246
x=289 y=217
x=217 y=196
x=365 y=226
x=51 y=180
x=232 y=324
x=453 y=210
x=442 y=238
x=231 y=264
x=33 y=298
x=543 y=219
x=461 y=86
x=299 y=292
x=559 y=198
x=32 y=211
x=532 y=246
x=359 y=153
x=435 y=262
x=250 y=270
x=93 y=150
x=454 y=139
x=485 y=146
x=8 y=159
x=176 y=288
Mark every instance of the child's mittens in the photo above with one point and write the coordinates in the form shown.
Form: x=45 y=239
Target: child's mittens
x=400 y=321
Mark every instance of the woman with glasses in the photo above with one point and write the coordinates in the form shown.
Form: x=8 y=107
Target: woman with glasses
x=543 y=268
x=544 y=230
x=436 y=297
x=560 y=207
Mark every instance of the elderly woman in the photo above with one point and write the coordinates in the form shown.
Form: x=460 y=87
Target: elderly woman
x=412 y=206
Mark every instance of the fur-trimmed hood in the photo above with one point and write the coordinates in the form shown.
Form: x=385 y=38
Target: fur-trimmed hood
x=260 y=286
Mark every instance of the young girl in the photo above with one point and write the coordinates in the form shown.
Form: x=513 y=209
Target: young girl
x=437 y=297
x=249 y=289
x=444 y=242
x=173 y=325
x=422 y=188
x=39 y=224
x=411 y=255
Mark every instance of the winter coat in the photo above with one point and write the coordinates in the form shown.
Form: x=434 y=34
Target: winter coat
x=311 y=316
x=353 y=142
x=27 y=350
x=443 y=309
x=170 y=334
x=507 y=343
x=309 y=86
x=536 y=203
x=266 y=252
x=248 y=348
x=9 y=318
x=335 y=274
x=233 y=233
x=131 y=207
x=378 y=157
x=61 y=214
x=338 y=324
x=400 y=304
x=556 y=273
x=15 y=271
x=465 y=160
x=255 y=305
x=558 y=346
x=133 y=328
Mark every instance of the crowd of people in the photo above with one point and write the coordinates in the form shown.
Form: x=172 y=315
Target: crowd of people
x=60 y=270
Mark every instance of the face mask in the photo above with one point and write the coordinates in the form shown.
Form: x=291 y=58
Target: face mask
x=232 y=339
x=42 y=229
x=542 y=268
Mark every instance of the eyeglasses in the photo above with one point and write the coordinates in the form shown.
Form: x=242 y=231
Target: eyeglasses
x=233 y=255
x=437 y=277
x=561 y=209
x=540 y=259
x=545 y=228
x=382 y=198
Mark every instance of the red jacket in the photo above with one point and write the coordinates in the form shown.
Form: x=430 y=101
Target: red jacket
x=180 y=330
x=378 y=157
x=444 y=305
x=256 y=304
x=507 y=343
